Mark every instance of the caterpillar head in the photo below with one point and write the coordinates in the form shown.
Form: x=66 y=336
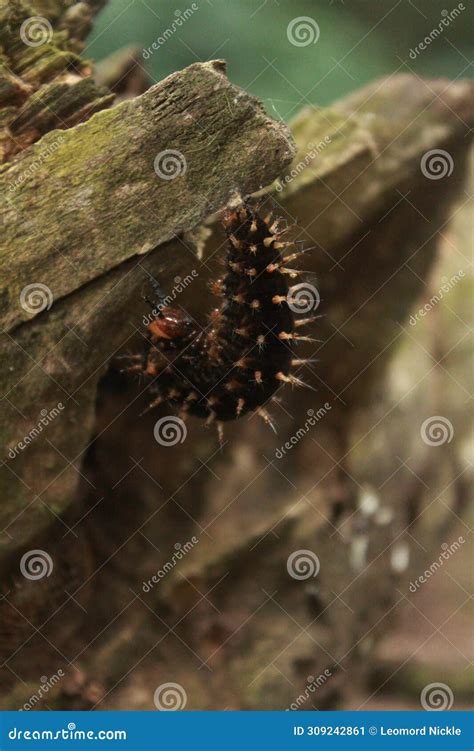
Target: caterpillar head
x=170 y=325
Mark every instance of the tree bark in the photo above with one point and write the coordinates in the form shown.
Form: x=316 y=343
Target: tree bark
x=112 y=507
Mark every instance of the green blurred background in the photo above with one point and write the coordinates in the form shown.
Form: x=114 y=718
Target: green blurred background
x=359 y=40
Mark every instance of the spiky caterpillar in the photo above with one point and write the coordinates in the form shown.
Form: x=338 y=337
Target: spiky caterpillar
x=237 y=363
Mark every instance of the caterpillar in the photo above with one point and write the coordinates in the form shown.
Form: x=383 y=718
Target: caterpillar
x=234 y=365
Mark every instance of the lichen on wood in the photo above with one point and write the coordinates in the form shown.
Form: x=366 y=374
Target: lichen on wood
x=102 y=180
x=96 y=490
x=110 y=207
x=44 y=83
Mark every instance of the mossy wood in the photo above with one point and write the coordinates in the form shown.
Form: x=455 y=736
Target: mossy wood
x=93 y=221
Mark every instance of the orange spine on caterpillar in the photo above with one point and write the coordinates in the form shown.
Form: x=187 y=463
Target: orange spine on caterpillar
x=236 y=364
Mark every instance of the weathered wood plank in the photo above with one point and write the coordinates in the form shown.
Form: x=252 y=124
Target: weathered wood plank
x=207 y=140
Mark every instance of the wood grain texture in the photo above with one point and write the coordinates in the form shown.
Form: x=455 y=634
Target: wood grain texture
x=110 y=203
x=110 y=505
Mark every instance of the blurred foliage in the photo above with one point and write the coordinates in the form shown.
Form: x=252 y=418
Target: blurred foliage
x=359 y=40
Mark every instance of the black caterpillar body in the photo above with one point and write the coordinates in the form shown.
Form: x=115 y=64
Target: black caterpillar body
x=237 y=363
